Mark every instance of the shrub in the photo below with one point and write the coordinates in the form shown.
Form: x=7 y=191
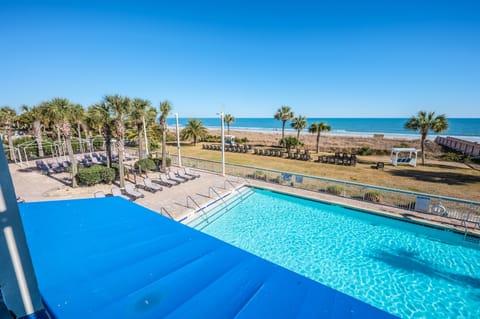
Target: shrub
x=158 y=162
x=145 y=164
x=116 y=170
x=373 y=197
x=96 y=174
x=365 y=150
x=334 y=189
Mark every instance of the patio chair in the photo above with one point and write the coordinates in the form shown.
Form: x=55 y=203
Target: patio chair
x=182 y=174
x=132 y=192
x=118 y=192
x=171 y=176
x=164 y=181
x=190 y=173
x=149 y=186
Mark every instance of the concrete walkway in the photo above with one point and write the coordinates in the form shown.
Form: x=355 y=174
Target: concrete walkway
x=32 y=186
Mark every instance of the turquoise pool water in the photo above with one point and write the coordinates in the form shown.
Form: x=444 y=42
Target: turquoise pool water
x=408 y=270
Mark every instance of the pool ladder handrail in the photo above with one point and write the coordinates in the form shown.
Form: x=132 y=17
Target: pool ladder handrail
x=216 y=193
x=163 y=209
x=199 y=207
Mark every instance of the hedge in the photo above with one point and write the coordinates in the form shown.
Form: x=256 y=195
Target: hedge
x=158 y=162
x=96 y=174
x=145 y=164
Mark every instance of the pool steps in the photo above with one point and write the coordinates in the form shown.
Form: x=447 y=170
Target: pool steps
x=221 y=206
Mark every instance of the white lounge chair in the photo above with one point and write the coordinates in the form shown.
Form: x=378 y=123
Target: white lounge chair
x=165 y=181
x=182 y=174
x=151 y=186
x=99 y=194
x=118 y=192
x=190 y=173
x=132 y=192
x=171 y=176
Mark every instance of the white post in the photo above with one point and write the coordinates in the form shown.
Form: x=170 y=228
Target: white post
x=223 y=144
x=178 y=140
x=17 y=277
x=145 y=136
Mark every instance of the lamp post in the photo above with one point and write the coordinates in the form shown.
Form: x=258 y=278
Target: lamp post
x=223 y=143
x=178 y=140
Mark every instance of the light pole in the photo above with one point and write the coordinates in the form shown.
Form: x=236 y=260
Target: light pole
x=223 y=143
x=178 y=140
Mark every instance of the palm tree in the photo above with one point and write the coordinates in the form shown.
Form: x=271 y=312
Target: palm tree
x=100 y=119
x=299 y=123
x=290 y=142
x=319 y=128
x=78 y=113
x=7 y=119
x=425 y=122
x=141 y=112
x=54 y=110
x=165 y=108
x=194 y=129
x=35 y=116
x=284 y=113
x=228 y=118
x=62 y=109
x=119 y=108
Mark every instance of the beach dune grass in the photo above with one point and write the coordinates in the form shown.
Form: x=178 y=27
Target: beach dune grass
x=439 y=179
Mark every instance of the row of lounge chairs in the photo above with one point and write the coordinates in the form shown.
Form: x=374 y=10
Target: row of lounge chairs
x=52 y=166
x=298 y=155
x=339 y=159
x=152 y=185
x=228 y=148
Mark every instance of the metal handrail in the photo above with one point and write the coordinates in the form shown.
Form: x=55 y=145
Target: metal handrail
x=166 y=211
x=199 y=207
x=213 y=189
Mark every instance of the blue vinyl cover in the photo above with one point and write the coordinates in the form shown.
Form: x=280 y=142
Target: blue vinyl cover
x=110 y=258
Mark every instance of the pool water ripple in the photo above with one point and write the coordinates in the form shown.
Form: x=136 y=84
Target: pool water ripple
x=408 y=270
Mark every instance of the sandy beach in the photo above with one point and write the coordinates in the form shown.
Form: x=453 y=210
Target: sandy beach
x=332 y=143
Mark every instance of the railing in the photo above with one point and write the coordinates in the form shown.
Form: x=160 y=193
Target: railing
x=163 y=209
x=216 y=193
x=460 y=209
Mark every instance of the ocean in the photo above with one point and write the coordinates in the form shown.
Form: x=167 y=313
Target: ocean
x=465 y=128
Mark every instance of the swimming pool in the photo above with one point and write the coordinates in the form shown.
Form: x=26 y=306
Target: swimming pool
x=409 y=270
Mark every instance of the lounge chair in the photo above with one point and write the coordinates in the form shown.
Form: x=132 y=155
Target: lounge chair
x=182 y=174
x=149 y=186
x=99 y=194
x=190 y=173
x=171 y=176
x=132 y=192
x=118 y=192
x=165 y=181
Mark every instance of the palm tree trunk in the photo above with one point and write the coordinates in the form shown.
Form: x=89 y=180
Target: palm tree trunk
x=283 y=129
x=228 y=128
x=298 y=135
x=141 y=141
x=71 y=156
x=423 y=148
x=80 y=138
x=318 y=142
x=37 y=132
x=121 y=172
x=108 y=147
x=164 y=149
x=87 y=137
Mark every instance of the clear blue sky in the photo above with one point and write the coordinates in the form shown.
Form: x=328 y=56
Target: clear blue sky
x=323 y=58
